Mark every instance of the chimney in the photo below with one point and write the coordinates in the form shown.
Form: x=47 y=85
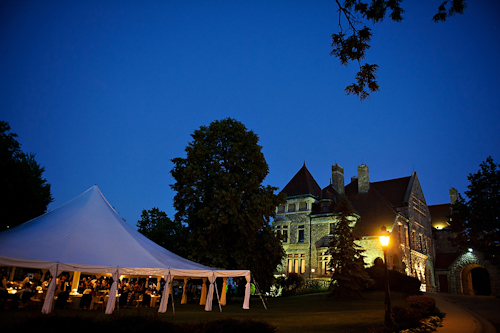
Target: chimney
x=453 y=195
x=338 y=178
x=363 y=179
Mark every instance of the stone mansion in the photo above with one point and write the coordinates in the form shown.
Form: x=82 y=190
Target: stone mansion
x=307 y=220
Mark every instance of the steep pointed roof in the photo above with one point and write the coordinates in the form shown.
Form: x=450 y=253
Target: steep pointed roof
x=378 y=207
x=87 y=231
x=302 y=183
x=374 y=209
x=395 y=191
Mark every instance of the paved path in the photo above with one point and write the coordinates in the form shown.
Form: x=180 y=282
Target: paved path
x=458 y=318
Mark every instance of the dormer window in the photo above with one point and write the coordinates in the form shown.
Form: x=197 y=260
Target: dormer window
x=291 y=207
x=324 y=206
x=281 y=209
x=302 y=206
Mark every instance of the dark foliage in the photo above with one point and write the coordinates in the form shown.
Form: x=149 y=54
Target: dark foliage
x=405 y=318
x=221 y=200
x=25 y=193
x=290 y=283
x=397 y=281
x=349 y=276
x=158 y=227
x=476 y=222
x=424 y=303
x=134 y=324
x=354 y=37
x=419 y=307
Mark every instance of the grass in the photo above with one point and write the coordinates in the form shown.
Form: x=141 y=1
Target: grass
x=304 y=313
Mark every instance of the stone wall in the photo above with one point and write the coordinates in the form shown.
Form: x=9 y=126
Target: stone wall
x=471 y=259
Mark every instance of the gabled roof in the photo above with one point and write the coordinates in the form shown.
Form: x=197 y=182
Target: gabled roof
x=374 y=209
x=395 y=191
x=302 y=183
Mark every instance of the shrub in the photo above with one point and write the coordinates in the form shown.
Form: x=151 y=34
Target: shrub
x=397 y=281
x=427 y=325
x=405 y=318
x=133 y=324
x=290 y=283
x=425 y=303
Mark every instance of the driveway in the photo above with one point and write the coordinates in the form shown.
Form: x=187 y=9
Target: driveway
x=468 y=314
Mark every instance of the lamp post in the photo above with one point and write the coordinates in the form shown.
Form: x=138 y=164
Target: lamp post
x=384 y=241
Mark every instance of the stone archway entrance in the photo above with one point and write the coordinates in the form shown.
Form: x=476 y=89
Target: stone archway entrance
x=475 y=280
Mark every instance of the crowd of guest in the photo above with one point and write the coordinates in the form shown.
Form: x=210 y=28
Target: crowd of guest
x=91 y=290
x=136 y=293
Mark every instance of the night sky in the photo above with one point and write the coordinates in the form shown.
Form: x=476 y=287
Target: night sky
x=108 y=92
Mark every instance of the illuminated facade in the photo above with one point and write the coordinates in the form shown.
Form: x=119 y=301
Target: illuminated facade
x=307 y=220
x=459 y=272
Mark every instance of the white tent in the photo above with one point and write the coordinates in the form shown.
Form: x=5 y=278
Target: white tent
x=87 y=235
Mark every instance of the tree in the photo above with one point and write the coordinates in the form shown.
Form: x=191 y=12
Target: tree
x=476 y=221
x=25 y=193
x=349 y=276
x=221 y=199
x=353 y=39
x=158 y=227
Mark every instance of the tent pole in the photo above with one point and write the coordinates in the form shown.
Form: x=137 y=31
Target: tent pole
x=257 y=289
x=173 y=305
x=217 y=293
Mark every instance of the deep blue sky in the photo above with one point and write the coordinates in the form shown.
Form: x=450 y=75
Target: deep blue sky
x=108 y=92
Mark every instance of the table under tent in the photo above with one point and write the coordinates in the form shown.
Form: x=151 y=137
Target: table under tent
x=86 y=235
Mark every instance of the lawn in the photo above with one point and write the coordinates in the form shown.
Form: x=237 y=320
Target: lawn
x=305 y=313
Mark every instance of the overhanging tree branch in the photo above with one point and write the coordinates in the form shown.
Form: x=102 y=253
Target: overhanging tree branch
x=351 y=43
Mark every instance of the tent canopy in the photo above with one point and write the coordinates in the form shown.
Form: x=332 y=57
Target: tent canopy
x=87 y=235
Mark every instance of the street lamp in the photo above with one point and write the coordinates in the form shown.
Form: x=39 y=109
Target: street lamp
x=384 y=237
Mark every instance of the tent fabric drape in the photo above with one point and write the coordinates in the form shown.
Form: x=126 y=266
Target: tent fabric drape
x=246 y=303
x=223 y=292
x=76 y=279
x=47 y=304
x=210 y=295
x=203 y=297
x=184 y=292
x=164 y=296
x=112 y=294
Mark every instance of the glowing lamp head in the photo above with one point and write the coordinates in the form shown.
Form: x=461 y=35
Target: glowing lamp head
x=384 y=237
